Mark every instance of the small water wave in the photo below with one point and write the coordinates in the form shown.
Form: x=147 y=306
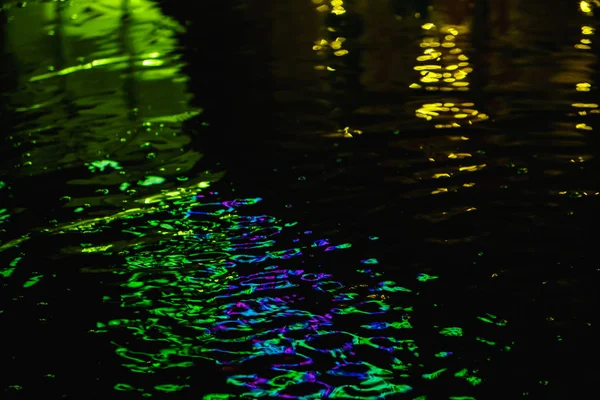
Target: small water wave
x=220 y=285
x=468 y=149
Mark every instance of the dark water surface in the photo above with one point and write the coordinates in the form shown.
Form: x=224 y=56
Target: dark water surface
x=299 y=199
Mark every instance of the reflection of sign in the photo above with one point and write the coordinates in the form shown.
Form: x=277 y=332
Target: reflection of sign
x=450 y=115
x=587 y=7
x=102 y=81
x=443 y=67
x=578 y=75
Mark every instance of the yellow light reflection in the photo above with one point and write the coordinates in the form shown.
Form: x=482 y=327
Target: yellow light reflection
x=585 y=42
x=585 y=7
x=583 y=87
x=337 y=7
x=587 y=30
x=443 y=67
x=459 y=155
x=472 y=168
x=323 y=47
x=583 y=127
x=584 y=108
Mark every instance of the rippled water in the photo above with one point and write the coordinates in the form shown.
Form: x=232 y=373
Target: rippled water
x=301 y=199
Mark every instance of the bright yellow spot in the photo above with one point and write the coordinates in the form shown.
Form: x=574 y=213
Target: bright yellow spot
x=432 y=52
x=424 y=113
x=429 y=79
x=459 y=155
x=472 y=168
x=337 y=7
x=337 y=43
x=347 y=132
x=427 y=67
x=587 y=30
x=584 y=127
x=428 y=26
x=585 y=7
x=430 y=44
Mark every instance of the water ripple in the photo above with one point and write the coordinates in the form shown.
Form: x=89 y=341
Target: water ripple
x=230 y=291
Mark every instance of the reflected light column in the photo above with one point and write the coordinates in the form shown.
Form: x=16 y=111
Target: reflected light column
x=341 y=61
x=583 y=109
x=444 y=67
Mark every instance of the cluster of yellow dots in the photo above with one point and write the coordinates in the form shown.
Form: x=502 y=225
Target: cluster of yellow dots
x=322 y=46
x=432 y=74
x=586 y=41
x=451 y=112
x=334 y=6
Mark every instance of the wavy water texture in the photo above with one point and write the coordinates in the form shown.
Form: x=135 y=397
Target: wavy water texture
x=220 y=285
x=99 y=100
x=407 y=209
